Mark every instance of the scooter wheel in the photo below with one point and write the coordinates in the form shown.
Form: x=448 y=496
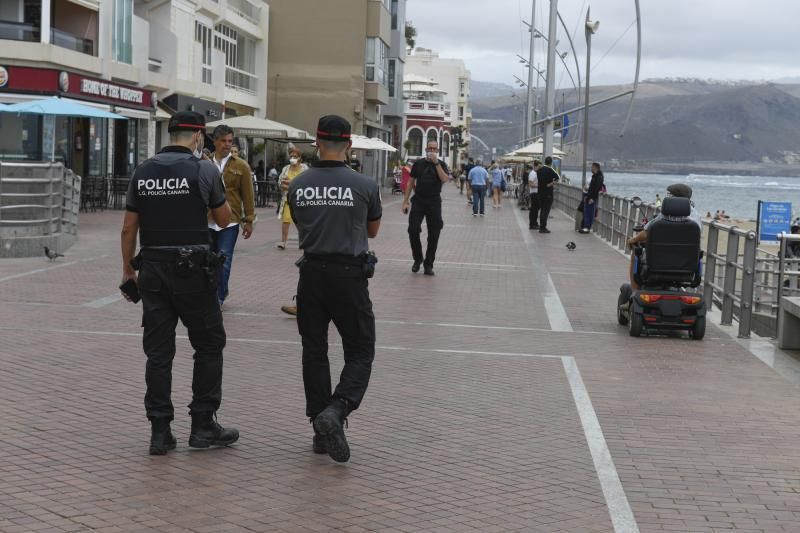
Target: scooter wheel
x=622 y=318
x=698 y=331
x=636 y=325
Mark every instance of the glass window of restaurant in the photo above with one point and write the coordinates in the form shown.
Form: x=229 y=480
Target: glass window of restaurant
x=26 y=143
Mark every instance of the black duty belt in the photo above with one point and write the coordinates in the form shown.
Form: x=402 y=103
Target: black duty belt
x=167 y=256
x=336 y=259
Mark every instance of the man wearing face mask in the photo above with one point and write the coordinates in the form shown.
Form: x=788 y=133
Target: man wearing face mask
x=427 y=177
x=168 y=198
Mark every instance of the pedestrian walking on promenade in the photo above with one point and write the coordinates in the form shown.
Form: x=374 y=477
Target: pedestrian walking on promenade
x=533 y=190
x=524 y=193
x=467 y=169
x=478 y=177
x=289 y=172
x=336 y=211
x=168 y=198
x=427 y=176
x=239 y=193
x=592 y=197
x=546 y=178
x=498 y=180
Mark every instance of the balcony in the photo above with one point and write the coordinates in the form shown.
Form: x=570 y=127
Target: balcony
x=423 y=108
x=71 y=42
x=240 y=80
x=375 y=92
x=19 y=31
x=246 y=10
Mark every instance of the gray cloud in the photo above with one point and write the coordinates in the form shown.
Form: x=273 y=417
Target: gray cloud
x=721 y=39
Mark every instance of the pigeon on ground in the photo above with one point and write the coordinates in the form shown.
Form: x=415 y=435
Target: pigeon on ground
x=571 y=246
x=51 y=254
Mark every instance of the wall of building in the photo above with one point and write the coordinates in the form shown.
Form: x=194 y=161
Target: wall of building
x=316 y=64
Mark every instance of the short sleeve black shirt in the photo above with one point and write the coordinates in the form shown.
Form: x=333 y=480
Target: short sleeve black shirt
x=428 y=182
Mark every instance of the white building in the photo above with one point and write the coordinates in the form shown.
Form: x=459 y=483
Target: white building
x=452 y=77
x=139 y=58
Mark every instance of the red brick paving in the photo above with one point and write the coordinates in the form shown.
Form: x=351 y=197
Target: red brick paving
x=703 y=435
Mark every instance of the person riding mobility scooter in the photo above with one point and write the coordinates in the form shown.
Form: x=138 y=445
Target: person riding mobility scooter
x=665 y=273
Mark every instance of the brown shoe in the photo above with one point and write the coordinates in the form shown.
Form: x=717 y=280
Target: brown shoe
x=289 y=309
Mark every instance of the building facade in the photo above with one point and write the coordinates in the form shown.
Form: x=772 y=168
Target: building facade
x=336 y=61
x=394 y=111
x=143 y=60
x=451 y=77
x=428 y=117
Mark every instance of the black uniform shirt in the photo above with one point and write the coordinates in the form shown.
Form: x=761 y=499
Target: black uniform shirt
x=331 y=205
x=545 y=176
x=428 y=182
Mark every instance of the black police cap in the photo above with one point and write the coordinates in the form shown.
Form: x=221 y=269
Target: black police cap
x=333 y=128
x=186 y=121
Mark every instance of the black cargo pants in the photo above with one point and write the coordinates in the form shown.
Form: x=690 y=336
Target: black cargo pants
x=335 y=289
x=167 y=297
x=429 y=208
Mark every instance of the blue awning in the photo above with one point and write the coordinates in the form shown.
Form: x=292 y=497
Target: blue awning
x=57 y=106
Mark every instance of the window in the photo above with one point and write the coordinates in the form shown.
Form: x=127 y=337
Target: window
x=394 y=14
x=462 y=86
x=415 y=142
x=202 y=34
x=433 y=136
x=123 y=20
x=240 y=57
x=377 y=61
x=392 y=64
x=461 y=112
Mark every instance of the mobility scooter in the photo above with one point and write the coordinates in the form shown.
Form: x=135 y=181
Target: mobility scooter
x=668 y=270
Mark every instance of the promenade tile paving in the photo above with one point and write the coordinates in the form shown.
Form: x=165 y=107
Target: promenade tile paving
x=471 y=422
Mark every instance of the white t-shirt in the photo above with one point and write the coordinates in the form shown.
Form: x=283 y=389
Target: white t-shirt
x=533 y=182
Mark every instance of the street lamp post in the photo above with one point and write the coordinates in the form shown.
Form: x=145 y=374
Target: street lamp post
x=529 y=104
x=549 y=96
x=591 y=29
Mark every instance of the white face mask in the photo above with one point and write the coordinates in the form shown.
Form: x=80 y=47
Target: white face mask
x=293 y=160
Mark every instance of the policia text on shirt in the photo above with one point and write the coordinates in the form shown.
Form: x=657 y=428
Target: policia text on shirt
x=168 y=199
x=336 y=210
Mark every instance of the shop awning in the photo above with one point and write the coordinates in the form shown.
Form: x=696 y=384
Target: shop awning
x=162 y=115
x=261 y=128
x=60 y=107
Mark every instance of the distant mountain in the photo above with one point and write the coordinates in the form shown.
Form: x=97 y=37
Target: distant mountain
x=689 y=122
x=480 y=90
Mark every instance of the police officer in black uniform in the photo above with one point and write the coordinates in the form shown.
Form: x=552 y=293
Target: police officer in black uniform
x=427 y=176
x=167 y=204
x=336 y=210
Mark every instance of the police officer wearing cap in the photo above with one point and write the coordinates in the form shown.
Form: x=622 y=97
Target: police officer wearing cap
x=168 y=199
x=336 y=210
x=677 y=190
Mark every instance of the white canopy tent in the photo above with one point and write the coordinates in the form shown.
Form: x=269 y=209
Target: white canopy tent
x=261 y=128
x=536 y=149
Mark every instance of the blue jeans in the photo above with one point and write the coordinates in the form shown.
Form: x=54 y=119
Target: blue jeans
x=478 y=196
x=588 y=214
x=223 y=241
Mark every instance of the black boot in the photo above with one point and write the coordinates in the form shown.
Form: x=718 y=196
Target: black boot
x=161 y=438
x=206 y=432
x=319 y=444
x=329 y=424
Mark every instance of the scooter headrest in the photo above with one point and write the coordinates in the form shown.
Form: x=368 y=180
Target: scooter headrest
x=676 y=207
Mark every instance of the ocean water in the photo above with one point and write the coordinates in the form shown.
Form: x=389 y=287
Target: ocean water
x=737 y=195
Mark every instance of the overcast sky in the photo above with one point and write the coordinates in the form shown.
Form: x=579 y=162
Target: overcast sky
x=720 y=39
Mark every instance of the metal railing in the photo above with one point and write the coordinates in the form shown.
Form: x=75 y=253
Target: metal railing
x=72 y=42
x=245 y=9
x=241 y=80
x=38 y=199
x=740 y=278
x=19 y=31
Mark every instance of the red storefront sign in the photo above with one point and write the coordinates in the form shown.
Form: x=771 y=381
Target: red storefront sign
x=45 y=81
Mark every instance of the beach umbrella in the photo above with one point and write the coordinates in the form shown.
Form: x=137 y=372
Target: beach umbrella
x=261 y=128
x=59 y=107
